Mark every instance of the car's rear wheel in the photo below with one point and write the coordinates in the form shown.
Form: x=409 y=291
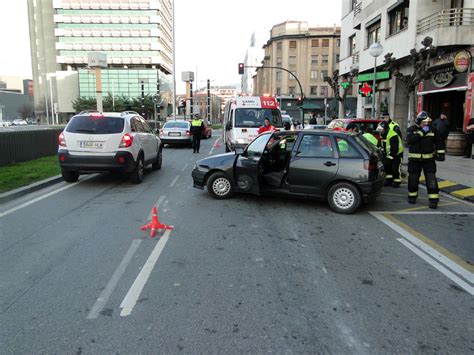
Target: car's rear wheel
x=70 y=176
x=220 y=186
x=344 y=198
x=159 y=160
x=139 y=172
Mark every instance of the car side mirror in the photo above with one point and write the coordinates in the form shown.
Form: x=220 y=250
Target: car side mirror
x=239 y=151
x=228 y=126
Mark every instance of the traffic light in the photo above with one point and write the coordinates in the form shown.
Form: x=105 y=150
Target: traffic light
x=299 y=101
x=241 y=68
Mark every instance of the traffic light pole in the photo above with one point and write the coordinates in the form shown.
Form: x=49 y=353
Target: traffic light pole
x=292 y=74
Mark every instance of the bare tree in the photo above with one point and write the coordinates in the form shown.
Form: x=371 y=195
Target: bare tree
x=340 y=93
x=419 y=60
x=26 y=111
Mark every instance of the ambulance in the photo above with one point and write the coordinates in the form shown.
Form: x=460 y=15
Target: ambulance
x=244 y=115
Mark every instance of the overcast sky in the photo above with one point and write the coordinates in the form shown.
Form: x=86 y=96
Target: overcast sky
x=211 y=36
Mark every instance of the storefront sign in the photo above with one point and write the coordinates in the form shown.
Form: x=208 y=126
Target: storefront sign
x=440 y=80
x=382 y=75
x=462 y=61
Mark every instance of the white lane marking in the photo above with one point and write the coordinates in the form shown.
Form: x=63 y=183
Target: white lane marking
x=184 y=167
x=213 y=146
x=438 y=266
x=105 y=294
x=131 y=298
x=39 y=198
x=325 y=271
x=157 y=204
x=421 y=212
x=427 y=249
x=174 y=181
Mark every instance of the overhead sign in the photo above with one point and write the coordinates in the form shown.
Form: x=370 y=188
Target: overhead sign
x=462 y=61
x=440 y=80
x=381 y=75
x=97 y=60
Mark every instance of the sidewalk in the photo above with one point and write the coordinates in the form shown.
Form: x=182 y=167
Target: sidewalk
x=455 y=176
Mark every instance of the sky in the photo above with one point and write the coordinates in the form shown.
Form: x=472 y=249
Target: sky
x=212 y=36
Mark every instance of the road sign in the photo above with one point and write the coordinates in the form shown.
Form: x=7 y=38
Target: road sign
x=381 y=75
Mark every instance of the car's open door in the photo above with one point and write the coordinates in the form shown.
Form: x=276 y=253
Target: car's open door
x=248 y=165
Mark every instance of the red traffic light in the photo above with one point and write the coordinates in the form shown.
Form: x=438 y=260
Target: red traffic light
x=299 y=101
x=241 y=68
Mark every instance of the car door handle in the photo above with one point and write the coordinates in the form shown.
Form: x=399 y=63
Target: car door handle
x=329 y=163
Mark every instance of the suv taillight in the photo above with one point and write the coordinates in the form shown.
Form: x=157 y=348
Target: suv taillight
x=61 y=140
x=126 y=141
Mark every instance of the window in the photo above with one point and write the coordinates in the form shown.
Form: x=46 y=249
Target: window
x=398 y=18
x=373 y=33
x=279 y=46
x=256 y=148
x=324 y=91
x=338 y=42
x=278 y=91
x=291 y=77
x=315 y=146
x=315 y=43
x=324 y=73
x=314 y=59
x=278 y=62
x=324 y=59
x=92 y=125
x=278 y=78
x=291 y=90
x=314 y=74
x=292 y=44
x=353 y=4
x=292 y=60
x=346 y=150
x=337 y=58
x=314 y=90
x=352 y=44
x=325 y=42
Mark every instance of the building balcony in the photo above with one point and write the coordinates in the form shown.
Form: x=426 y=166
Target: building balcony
x=107 y=4
x=448 y=27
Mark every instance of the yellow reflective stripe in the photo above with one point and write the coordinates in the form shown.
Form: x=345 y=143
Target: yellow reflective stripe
x=431 y=134
x=414 y=155
x=427 y=156
x=433 y=195
x=389 y=157
x=412 y=194
x=419 y=132
x=440 y=151
x=389 y=176
x=397 y=180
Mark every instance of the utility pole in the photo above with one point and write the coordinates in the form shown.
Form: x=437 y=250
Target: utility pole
x=209 y=100
x=143 y=98
x=191 y=98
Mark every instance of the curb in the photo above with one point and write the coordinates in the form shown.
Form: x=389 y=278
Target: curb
x=11 y=195
x=449 y=187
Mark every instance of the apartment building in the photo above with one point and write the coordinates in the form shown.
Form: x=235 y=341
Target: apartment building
x=136 y=35
x=400 y=26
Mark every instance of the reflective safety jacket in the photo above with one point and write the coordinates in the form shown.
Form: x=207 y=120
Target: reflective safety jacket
x=393 y=126
x=371 y=138
x=197 y=126
x=424 y=146
x=393 y=144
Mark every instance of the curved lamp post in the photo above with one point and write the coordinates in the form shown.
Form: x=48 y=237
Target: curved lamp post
x=375 y=50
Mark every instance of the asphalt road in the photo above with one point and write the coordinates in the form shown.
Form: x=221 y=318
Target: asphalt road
x=251 y=274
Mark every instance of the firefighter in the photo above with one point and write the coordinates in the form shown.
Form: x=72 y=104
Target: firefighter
x=425 y=146
x=197 y=127
x=393 y=149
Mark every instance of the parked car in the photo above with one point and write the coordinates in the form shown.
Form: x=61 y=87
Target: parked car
x=176 y=132
x=339 y=167
x=96 y=142
x=340 y=124
x=315 y=126
x=207 y=132
x=19 y=122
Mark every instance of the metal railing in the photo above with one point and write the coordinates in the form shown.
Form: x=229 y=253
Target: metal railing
x=446 y=18
x=18 y=146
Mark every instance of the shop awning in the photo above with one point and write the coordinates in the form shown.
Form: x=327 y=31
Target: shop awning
x=457 y=88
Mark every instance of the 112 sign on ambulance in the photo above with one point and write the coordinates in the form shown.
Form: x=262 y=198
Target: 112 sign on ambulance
x=243 y=115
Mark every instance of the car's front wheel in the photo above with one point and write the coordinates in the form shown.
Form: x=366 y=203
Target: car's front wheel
x=159 y=160
x=139 y=172
x=344 y=198
x=220 y=186
x=70 y=176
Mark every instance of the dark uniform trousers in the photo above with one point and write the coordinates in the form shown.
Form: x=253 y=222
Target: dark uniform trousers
x=392 y=169
x=196 y=141
x=428 y=166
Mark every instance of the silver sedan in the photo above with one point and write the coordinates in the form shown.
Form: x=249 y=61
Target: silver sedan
x=176 y=132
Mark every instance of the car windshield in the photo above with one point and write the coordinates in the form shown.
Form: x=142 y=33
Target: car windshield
x=254 y=117
x=95 y=125
x=176 y=125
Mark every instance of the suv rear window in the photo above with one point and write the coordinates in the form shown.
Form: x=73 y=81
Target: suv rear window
x=176 y=125
x=95 y=125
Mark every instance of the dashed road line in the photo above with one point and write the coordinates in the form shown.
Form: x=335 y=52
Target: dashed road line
x=134 y=292
x=107 y=292
x=174 y=181
x=184 y=167
x=157 y=205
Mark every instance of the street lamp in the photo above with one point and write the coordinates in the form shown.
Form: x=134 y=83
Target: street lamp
x=375 y=50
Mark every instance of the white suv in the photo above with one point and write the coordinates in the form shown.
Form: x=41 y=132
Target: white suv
x=96 y=142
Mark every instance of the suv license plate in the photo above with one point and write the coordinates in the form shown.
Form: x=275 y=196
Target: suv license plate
x=91 y=144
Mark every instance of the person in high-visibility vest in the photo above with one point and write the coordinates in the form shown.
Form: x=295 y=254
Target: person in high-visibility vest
x=197 y=127
x=425 y=146
x=369 y=135
x=393 y=147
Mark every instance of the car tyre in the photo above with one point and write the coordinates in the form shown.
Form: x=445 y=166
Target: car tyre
x=159 y=160
x=344 y=198
x=70 y=176
x=220 y=186
x=139 y=172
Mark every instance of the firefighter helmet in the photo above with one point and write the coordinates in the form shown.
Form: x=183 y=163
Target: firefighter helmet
x=424 y=117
